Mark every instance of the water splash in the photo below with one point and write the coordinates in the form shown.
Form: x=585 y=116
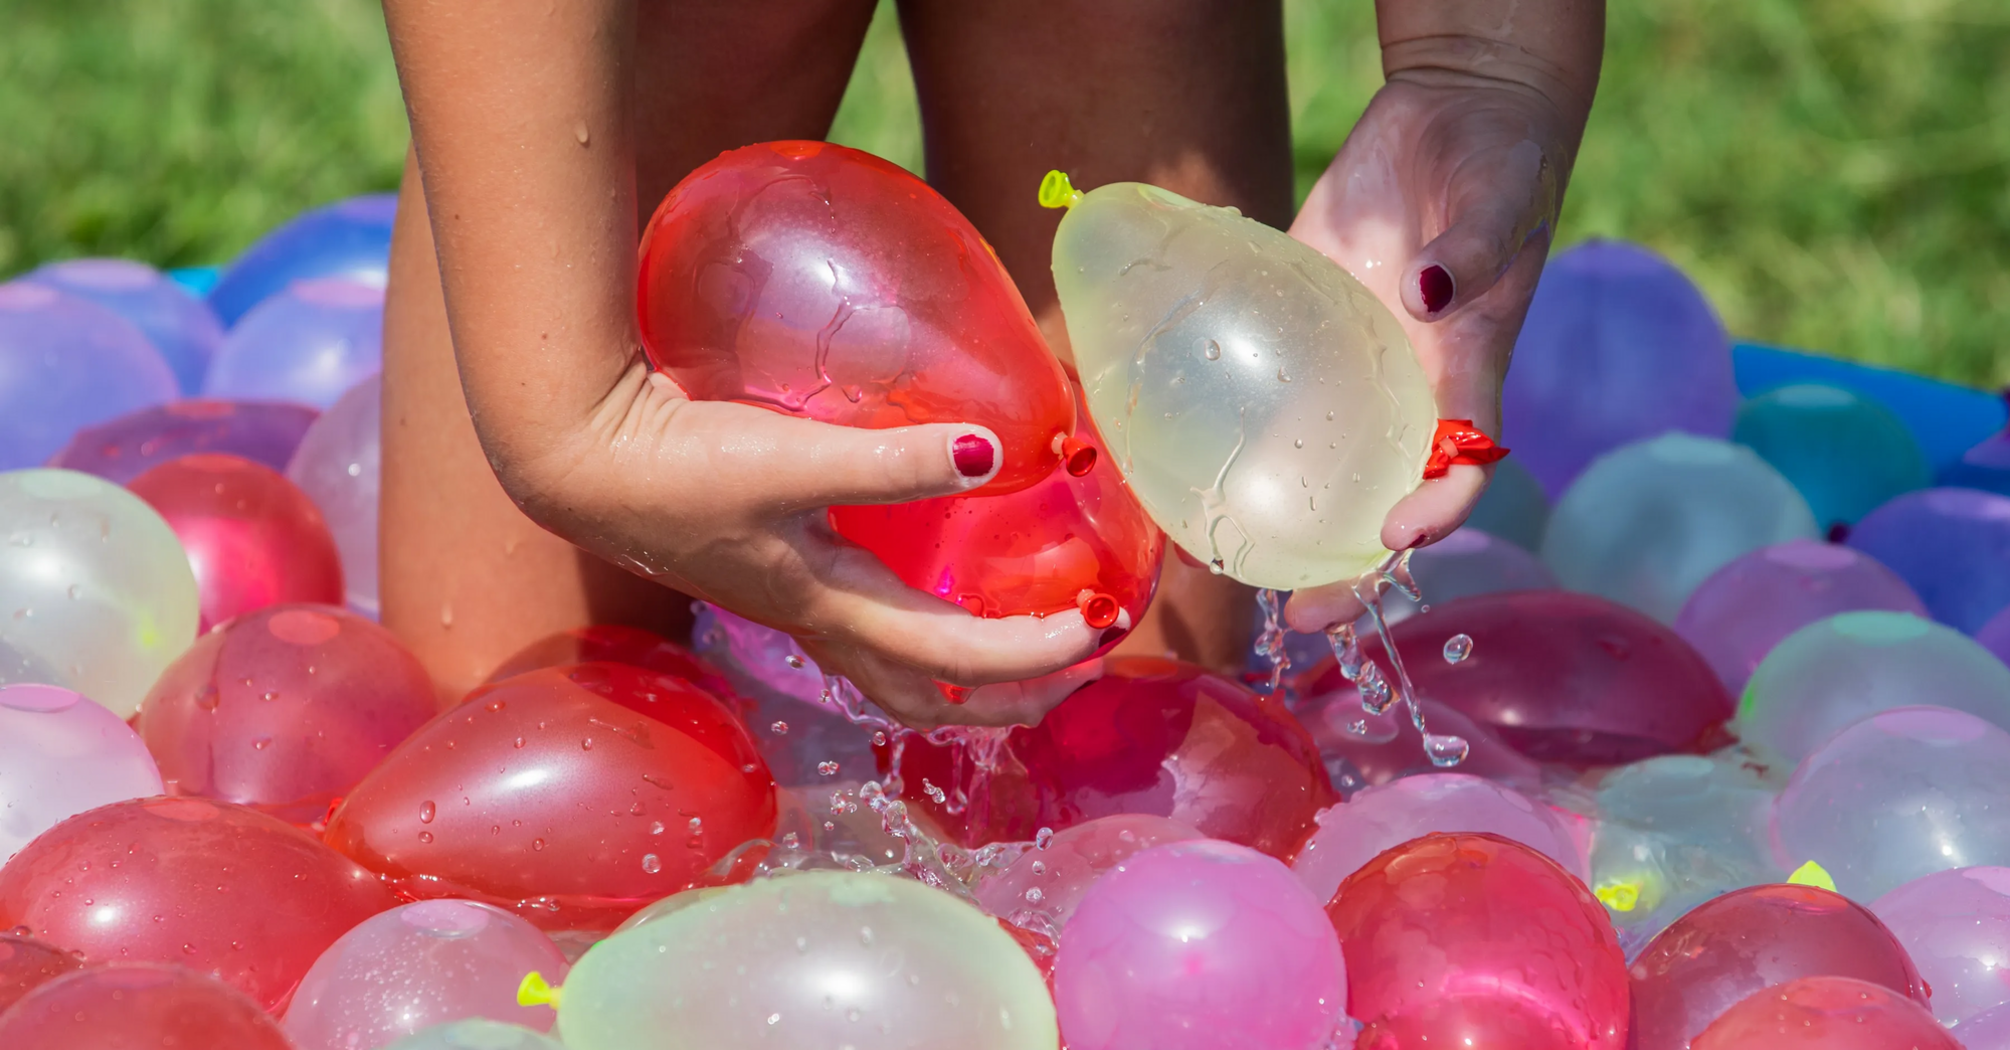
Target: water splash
x=1270 y=640
x=1378 y=693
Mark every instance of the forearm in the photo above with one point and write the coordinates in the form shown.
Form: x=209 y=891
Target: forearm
x=520 y=123
x=1552 y=47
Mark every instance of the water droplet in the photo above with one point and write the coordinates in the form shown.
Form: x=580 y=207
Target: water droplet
x=1445 y=749
x=779 y=729
x=355 y=470
x=651 y=864
x=426 y=838
x=793 y=661
x=208 y=697
x=261 y=743
x=537 y=845
x=586 y=744
x=774 y=1019
x=935 y=794
x=879 y=738
x=1458 y=647
x=1039 y=867
x=827 y=768
x=865 y=936
x=1213 y=350
x=656 y=827
x=1033 y=895
x=76 y=591
x=426 y=812
x=1298 y=443
x=697 y=825
x=1043 y=838
x=1329 y=417
x=519 y=741
x=1281 y=377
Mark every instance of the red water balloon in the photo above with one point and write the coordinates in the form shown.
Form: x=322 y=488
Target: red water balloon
x=1559 y=676
x=26 y=964
x=614 y=643
x=1473 y=940
x=825 y=282
x=1151 y=736
x=572 y=796
x=1748 y=940
x=253 y=538
x=1826 y=1013
x=209 y=885
x=284 y=709
x=139 y=1007
x=1072 y=541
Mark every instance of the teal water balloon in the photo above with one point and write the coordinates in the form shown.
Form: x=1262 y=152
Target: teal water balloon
x=1846 y=453
x=1513 y=507
x=1835 y=671
x=1647 y=523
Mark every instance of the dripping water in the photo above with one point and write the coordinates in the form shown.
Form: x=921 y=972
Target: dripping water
x=1378 y=693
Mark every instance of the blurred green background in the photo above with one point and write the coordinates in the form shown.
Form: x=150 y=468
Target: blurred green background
x=1835 y=173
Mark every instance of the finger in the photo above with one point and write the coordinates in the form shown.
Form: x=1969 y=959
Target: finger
x=1316 y=610
x=1025 y=703
x=797 y=464
x=1435 y=509
x=1496 y=202
x=919 y=703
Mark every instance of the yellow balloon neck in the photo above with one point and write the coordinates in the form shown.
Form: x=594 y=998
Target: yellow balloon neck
x=1057 y=192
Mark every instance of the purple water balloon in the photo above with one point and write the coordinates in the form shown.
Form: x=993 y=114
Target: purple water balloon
x=180 y=325
x=1985 y=466
x=1951 y=545
x=420 y=965
x=337 y=465
x=309 y=344
x=1898 y=795
x=350 y=238
x=1048 y=883
x=1956 y=926
x=265 y=432
x=1747 y=607
x=1619 y=345
x=1354 y=832
x=66 y=363
x=1988 y=1030
x=1464 y=563
x=1995 y=636
x=1200 y=945
x=60 y=755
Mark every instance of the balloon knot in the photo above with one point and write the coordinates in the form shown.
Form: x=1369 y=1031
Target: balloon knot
x=1458 y=441
x=536 y=991
x=1812 y=874
x=1619 y=896
x=1099 y=610
x=1057 y=192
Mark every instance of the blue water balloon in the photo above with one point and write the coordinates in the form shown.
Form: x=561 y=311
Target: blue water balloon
x=350 y=239
x=67 y=363
x=181 y=326
x=309 y=344
x=1845 y=452
x=1952 y=546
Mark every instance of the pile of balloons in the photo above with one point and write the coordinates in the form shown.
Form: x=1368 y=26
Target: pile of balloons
x=1725 y=674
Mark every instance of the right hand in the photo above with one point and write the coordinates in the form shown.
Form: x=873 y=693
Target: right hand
x=726 y=502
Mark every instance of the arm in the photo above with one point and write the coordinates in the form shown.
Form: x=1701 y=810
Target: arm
x=521 y=122
x=1444 y=200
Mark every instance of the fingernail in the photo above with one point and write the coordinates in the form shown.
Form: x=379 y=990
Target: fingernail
x=973 y=454
x=1112 y=636
x=1417 y=540
x=1435 y=285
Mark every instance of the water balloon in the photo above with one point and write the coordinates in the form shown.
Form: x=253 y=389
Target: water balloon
x=1898 y=795
x=1513 y=507
x=337 y=465
x=1844 y=452
x=1618 y=346
x=208 y=885
x=60 y=755
x=476 y=1034
x=309 y=344
x=1362 y=749
x=253 y=538
x=1988 y=1030
x=1951 y=545
x=418 y=966
x=1749 y=606
x=1956 y=927
x=97 y=591
x=1836 y=671
x=1647 y=523
x=349 y=239
x=1985 y=466
x=824 y=282
x=264 y=432
x=138 y=1007
x=1199 y=944
x=1825 y=1013
x=1261 y=403
x=27 y=964
x=179 y=325
x=285 y=709
x=1050 y=880
x=67 y=363
x=1463 y=564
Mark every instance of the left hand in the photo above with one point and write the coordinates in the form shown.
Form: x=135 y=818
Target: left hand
x=1443 y=202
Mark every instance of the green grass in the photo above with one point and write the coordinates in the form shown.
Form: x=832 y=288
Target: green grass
x=1835 y=173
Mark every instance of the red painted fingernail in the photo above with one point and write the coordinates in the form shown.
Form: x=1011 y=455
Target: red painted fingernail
x=1112 y=636
x=1435 y=284
x=973 y=454
x=1417 y=540
x=1838 y=532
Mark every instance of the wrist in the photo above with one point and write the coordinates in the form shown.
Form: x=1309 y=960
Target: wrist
x=1468 y=61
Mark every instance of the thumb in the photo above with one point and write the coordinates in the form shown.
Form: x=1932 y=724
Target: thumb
x=1496 y=202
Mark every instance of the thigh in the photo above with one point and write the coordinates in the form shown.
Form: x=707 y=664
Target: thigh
x=466 y=579
x=1186 y=94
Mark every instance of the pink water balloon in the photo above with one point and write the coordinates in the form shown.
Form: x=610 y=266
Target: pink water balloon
x=60 y=755
x=1956 y=926
x=337 y=465
x=1047 y=883
x=1203 y=945
x=1988 y=1030
x=285 y=709
x=264 y=432
x=1751 y=939
x=1747 y=607
x=26 y=964
x=191 y=882
x=67 y=363
x=1354 y=832
x=421 y=965
x=138 y=1007
x=1826 y=1013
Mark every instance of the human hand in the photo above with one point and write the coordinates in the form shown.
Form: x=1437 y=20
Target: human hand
x=726 y=502
x=1443 y=201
